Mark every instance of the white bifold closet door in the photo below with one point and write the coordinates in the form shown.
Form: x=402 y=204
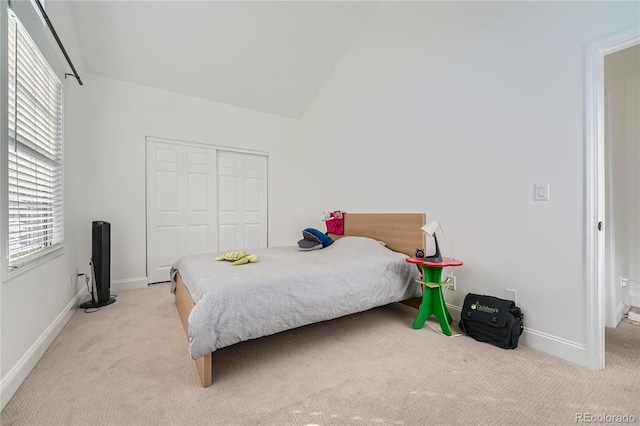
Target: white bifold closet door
x=200 y=200
x=242 y=201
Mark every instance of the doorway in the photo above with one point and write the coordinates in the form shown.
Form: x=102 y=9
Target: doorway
x=622 y=183
x=595 y=196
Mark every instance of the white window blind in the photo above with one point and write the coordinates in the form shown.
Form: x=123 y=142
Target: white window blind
x=35 y=151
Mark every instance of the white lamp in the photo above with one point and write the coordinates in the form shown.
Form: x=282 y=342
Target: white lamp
x=430 y=230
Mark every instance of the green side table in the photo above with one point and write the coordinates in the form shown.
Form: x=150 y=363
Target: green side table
x=432 y=297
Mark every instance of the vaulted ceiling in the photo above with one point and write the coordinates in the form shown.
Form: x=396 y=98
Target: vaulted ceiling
x=265 y=55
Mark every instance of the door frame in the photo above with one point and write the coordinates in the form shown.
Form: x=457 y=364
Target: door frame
x=595 y=171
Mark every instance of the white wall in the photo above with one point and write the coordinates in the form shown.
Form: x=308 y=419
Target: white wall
x=36 y=304
x=458 y=109
x=118 y=116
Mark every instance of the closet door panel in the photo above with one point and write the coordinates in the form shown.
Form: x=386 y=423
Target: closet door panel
x=242 y=201
x=181 y=205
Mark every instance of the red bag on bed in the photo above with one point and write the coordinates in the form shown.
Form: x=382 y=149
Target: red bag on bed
x=335 y=223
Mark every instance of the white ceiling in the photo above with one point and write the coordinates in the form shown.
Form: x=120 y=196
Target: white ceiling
x=268 y=56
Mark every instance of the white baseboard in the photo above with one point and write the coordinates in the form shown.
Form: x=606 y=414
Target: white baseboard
x=621 y=309
x=556 y=346
x=14 y=378
x=543 y=342
x=454 y=311
x=129 y=284
x=118 y=285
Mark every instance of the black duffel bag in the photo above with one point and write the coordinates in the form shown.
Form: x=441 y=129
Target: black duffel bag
x=492 y=320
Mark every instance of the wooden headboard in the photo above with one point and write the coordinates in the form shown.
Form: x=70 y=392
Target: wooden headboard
x=400 y=231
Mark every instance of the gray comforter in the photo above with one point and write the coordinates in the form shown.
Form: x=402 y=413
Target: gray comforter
x=289 y=288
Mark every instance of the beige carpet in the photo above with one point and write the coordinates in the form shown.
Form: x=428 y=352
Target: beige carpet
x=128 y=364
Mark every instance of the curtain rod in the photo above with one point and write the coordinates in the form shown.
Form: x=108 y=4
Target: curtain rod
x=55 y=35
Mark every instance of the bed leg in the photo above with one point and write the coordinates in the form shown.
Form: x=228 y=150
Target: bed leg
x=414 y=302
x=205 y=372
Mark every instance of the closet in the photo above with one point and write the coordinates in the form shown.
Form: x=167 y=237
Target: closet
x=200 y=199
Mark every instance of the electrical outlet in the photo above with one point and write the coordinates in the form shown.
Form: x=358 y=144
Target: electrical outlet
x=74 y=278
x=451 y=280
x=510 y=294
x=633 y=316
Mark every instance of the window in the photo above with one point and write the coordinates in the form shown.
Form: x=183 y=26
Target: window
x=35 y=168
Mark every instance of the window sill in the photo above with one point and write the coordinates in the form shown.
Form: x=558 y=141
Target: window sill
x=34 y=263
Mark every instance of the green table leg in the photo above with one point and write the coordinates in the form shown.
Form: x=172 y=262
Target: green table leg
x=442 y=313
x=425 y=310
x=433 y=301
x=432 y=274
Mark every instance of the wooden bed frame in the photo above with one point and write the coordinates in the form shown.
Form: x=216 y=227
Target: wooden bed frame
x=400 y=231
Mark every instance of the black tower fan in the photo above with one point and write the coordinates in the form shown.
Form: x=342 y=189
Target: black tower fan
x=101 y=265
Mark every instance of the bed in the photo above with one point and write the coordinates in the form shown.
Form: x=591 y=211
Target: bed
x=220 y=304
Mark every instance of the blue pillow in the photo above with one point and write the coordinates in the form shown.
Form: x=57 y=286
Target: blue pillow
x=324 y=239
x=309 y=242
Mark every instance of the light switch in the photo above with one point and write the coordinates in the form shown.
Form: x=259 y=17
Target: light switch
x=541 y=191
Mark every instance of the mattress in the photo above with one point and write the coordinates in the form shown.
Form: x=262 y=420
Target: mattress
x=289 y=288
